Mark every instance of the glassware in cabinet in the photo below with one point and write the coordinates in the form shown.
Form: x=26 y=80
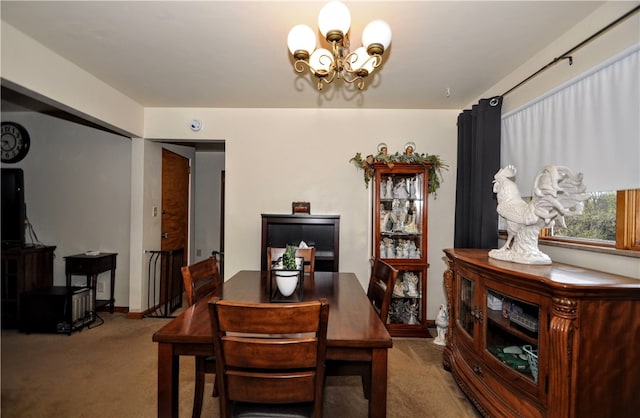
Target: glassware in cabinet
x=406 y=303
x=401 y=216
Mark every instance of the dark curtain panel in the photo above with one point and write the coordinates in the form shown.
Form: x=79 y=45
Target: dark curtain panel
x=476 y=224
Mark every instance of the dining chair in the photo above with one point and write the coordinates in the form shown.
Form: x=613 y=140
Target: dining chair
x=202 y=279
x=308 y=255
x=381 y=282
x=270 y=357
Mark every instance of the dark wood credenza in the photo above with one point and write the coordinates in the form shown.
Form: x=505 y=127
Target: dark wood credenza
x=320 y=231
x=23 y=269
x=584 y=325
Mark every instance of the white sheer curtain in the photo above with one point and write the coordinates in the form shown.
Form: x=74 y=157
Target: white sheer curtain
x=590 y=124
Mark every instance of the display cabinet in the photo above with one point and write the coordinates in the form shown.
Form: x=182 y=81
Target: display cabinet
x=542 y=340
x=400 y=238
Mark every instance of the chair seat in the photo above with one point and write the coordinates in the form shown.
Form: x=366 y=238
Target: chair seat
x=247 y=410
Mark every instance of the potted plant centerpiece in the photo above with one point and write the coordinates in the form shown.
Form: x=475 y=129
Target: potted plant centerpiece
x=288 y=271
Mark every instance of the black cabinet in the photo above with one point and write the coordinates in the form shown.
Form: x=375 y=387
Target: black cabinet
x=56 y=309
x=23 y=269
x=319 y=231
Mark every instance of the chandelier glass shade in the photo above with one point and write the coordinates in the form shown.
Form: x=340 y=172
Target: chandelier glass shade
x=327 y=65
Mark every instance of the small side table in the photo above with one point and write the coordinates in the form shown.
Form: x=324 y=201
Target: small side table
x=90 y=266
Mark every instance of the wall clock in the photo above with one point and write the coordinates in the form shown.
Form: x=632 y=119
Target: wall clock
x=15 y=142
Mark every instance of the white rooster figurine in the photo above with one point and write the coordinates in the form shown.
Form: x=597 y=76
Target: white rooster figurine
x=557 y=192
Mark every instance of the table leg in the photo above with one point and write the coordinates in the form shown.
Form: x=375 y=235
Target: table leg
x=92 y=283
x=112 y=299
x=168 y=375
x=378 y=398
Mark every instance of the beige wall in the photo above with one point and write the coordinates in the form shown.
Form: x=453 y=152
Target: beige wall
x=276 y=156
x=77 y=192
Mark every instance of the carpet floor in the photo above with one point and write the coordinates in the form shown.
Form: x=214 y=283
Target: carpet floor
x=109 y=371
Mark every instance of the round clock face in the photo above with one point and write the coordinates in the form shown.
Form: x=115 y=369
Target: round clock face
x=15 y=142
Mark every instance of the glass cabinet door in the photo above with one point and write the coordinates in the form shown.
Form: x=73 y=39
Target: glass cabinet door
x=401 y=216
x=406 y=301
x=467 y=305
x=511 y=333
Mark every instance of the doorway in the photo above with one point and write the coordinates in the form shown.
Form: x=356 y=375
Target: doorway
x=174 y=243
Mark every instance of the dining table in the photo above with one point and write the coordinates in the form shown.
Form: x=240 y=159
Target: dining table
x=355 y=333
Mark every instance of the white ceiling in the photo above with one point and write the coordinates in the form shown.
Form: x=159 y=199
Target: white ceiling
x=221 y=54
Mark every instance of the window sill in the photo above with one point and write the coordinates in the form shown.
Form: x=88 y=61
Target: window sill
x=581 y=247
x=591 y=248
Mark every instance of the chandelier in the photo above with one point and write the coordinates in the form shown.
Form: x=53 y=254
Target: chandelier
x=353 y=67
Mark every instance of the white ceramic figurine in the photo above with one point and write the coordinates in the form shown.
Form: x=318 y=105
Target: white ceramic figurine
x=442 y=323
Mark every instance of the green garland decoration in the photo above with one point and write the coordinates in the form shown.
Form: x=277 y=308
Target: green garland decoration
x=435 y=168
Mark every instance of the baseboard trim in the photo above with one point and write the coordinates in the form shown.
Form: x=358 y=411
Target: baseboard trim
x=135 y=315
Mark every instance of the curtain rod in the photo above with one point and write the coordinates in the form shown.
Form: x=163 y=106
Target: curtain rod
x=567 y=56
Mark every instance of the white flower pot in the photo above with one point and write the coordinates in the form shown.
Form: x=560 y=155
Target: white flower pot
x=287 y=282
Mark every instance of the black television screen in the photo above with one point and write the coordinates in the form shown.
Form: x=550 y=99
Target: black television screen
x=13 y=208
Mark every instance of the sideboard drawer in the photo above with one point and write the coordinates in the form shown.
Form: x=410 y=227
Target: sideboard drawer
x=482 y=375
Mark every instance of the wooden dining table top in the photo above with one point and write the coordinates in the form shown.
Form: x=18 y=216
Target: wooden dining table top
x=353 y=323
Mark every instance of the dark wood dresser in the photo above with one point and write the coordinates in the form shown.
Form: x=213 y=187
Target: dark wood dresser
x=23 y=269
x=542 y=341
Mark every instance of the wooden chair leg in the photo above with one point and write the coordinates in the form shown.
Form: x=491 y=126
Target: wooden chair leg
x=366 y=386
x=198 y=390
x=214 y=392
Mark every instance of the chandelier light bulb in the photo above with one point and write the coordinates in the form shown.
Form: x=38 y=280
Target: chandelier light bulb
x=334 y=16
x=301 y=38
x=377 y=32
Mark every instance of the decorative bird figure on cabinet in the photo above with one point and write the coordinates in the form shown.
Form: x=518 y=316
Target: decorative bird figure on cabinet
x=557 y=192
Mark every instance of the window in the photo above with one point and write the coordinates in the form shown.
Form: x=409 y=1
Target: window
x=610 y=219
x=597 y=222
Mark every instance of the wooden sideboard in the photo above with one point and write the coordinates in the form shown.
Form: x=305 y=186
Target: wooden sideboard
x=584 y=326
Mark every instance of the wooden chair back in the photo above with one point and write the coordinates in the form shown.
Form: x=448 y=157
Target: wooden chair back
x=383 y=279
x=201 y=279
x=270 y=356
x=308 y=255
